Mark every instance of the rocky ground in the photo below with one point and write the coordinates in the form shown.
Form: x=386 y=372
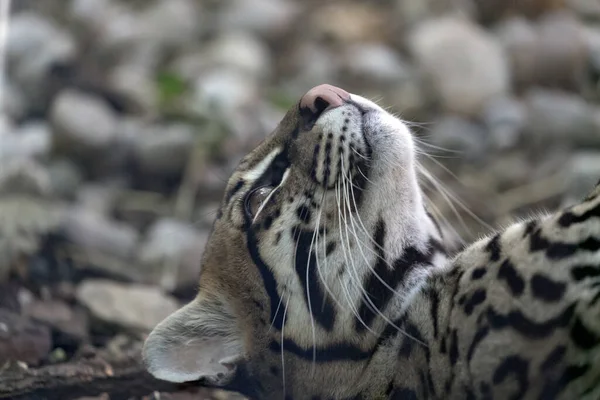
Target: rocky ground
x=124 y=118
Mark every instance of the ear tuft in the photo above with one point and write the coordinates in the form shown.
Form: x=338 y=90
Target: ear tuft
x=191 y=344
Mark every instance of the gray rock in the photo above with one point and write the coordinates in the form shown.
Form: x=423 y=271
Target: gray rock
x=583 y=173
x=225 y=89
x=562 y=51
x=466 y=65
x=65 y=177
x=376 y=62
x=22 y=339
x=60 y=316
x=455 y=133
x=266 y=17
x=519 y=39
x=178 y=247
x=408 y=13
x=82 y=122
x=137 y=85
x=135 y=307
x=164 y=150
x=589 y=9
x=560 y=117
x=34 y=47
x=32 y=140
x=97 y=197
x=504 y=118
x=93 y=232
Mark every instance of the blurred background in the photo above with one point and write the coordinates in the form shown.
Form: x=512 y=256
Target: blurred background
x=122 y=119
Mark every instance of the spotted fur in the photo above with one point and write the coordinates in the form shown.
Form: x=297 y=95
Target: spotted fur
x=336 y=284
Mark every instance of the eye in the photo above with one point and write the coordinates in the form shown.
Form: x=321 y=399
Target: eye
x=256 y=199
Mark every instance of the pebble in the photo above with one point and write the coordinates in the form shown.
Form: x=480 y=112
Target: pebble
x=375 y=62
x=264 y=17
x=31 y=140
x=505 y=118
x=133 y=306
x=519 y=38
x=163 y=149
x=82 y=122
x=582 y=174
x=177 y=246
x=467 y=66
x=59 y=316
x=22 y=339
x=559 y=117
x=93 y=232
x=460 y=135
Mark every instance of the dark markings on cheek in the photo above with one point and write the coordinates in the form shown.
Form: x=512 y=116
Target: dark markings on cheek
x=547 y=289
x=277 y=238
x=516 y=366
x=582 y=336
x=306 y=268
x=530 y=228
x=267 y=222
x=304 y=214
x=525 y=326
x=494 y=248
x=434 y=299
x=453 y=347
x=569 y=218
x=510 y=275
x=330 y=248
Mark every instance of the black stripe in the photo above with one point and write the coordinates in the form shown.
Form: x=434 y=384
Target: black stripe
x=334 y=352
x=494 y=248
x=233 y=190
x=378 y=293
x=561 y=250
x=583 y=337
x=569 y=218
x=525 y=326
x=306 y=265
x=581 y=272
x=517 y=366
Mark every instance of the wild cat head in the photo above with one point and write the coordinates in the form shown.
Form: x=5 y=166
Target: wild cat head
x=321 y=237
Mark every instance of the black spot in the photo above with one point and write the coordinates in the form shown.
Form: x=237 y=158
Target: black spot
x=517 y=366
x=408 y=341
x=267 y=222
x=494 y=248
x=274 y=370
x=476 y=299
x=303 y=213
x=530 y=228
x=569 y=218
x=581 y=272
x=478 y=273
x=478 y=338
x=508 y=273
x=528 y=328
x=454 y=347
x=582 y=336
x=547 y=289
x=554 y=358
x=277 y=238
x=573 y=372
x=434 y=304
x=330 y=248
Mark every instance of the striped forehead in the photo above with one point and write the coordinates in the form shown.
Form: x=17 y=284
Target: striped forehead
x=255 y=172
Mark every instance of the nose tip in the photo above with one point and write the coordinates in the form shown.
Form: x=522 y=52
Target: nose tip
x=322 y=98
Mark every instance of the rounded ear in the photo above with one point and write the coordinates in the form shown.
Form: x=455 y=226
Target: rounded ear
x=192 y=343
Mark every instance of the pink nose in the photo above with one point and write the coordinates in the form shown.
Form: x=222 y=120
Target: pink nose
x=322 y=98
